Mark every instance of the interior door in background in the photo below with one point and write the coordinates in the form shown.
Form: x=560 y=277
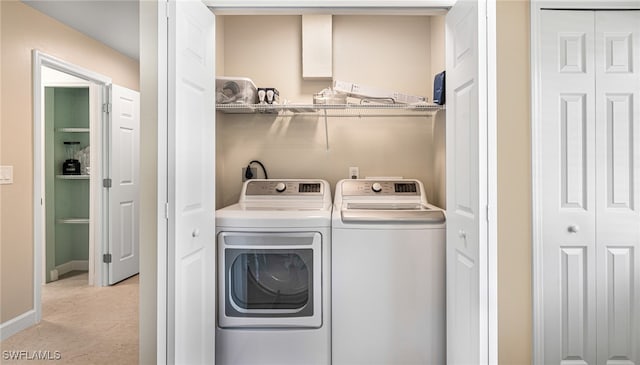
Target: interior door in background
x=124 y=169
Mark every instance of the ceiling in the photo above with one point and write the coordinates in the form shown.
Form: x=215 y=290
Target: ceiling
x=114 y=23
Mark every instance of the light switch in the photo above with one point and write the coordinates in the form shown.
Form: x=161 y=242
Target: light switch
x=6 y=174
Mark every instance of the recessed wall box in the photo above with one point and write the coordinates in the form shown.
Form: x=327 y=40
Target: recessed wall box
x=317 y=46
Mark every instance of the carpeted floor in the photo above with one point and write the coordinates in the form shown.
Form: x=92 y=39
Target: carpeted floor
x=80 y=324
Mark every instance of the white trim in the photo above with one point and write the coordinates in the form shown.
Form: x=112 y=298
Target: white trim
x=38 y=184
x=483 y=140
x=333 y=4
x=536 y=147
x=584 y=5
x=536 y=234
x=162 y=171
x=17 y=324
x=335 y=7
x=39 y=60
x=73 y=265
x=492 y=182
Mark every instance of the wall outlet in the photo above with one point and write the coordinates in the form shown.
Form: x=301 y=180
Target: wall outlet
x=254 y=171
x=354 y=173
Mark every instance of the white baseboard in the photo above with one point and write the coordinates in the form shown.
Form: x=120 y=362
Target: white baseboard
x=17 y=324
x=81 y=265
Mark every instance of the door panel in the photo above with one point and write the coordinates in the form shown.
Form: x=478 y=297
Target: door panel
x=591 y=61
x=467 y=341
x=575 y=321
x=191 y=184
x=124 y=170
x=617 y=78
x=568 y=187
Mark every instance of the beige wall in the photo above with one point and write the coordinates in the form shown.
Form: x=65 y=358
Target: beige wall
x=514 y=184
x=148 y=181
x=391 y=52
x=24 y=29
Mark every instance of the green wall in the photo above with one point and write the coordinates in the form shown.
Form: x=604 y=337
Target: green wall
x=65 y=107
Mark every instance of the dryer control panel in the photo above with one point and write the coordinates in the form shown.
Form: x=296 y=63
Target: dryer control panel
x=383 y=187
x=284 y=187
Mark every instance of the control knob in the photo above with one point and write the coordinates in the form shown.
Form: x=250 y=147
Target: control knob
x=280 y=187
x=376 y=187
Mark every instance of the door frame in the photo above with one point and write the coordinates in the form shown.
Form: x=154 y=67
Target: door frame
x=40 y=59
x=488 y=50
x=537 y=145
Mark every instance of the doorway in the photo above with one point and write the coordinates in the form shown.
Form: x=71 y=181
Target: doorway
x=185 y=194
x=108 y=120
x=79 y=84
x=71 y=107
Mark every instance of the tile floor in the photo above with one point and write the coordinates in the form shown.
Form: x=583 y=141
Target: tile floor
x=82 y=324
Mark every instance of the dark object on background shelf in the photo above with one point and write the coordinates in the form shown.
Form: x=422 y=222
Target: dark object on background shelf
x=71 y=166
x=439 y=89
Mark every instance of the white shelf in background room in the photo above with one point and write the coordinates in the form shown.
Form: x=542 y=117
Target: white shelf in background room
x=73 y=177
x=73 y=130
x=73 y=220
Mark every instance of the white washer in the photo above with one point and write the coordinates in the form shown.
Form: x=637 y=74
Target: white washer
x=274 y=289
x=388 y=272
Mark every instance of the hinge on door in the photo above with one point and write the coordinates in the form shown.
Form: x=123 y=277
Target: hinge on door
x=166 y=210
x=106 y=258
x=106 y=183
x=166 y=9
x=106 y=107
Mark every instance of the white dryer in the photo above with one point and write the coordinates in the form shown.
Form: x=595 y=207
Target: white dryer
x=388 y=272
x=273 y=277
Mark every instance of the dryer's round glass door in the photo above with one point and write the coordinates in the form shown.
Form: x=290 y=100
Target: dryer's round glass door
x=271 y=279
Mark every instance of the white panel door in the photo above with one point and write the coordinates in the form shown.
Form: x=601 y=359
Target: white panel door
x=467 y=297
x=191 y=184
x=617 y=103
x=568 y=187
x=590 y=171
x=124 y=202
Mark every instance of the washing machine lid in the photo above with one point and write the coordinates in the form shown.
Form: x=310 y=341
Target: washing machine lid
x=384 y=203
x=391 y=212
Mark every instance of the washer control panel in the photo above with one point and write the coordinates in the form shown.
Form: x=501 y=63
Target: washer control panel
x=275 y=187
x=373 y=188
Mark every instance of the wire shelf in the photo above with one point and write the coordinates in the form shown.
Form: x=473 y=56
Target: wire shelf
x=315 y=108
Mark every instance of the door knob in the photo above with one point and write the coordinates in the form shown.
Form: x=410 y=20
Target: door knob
x=573 y=228
x=195 y=233
x=462 y=234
